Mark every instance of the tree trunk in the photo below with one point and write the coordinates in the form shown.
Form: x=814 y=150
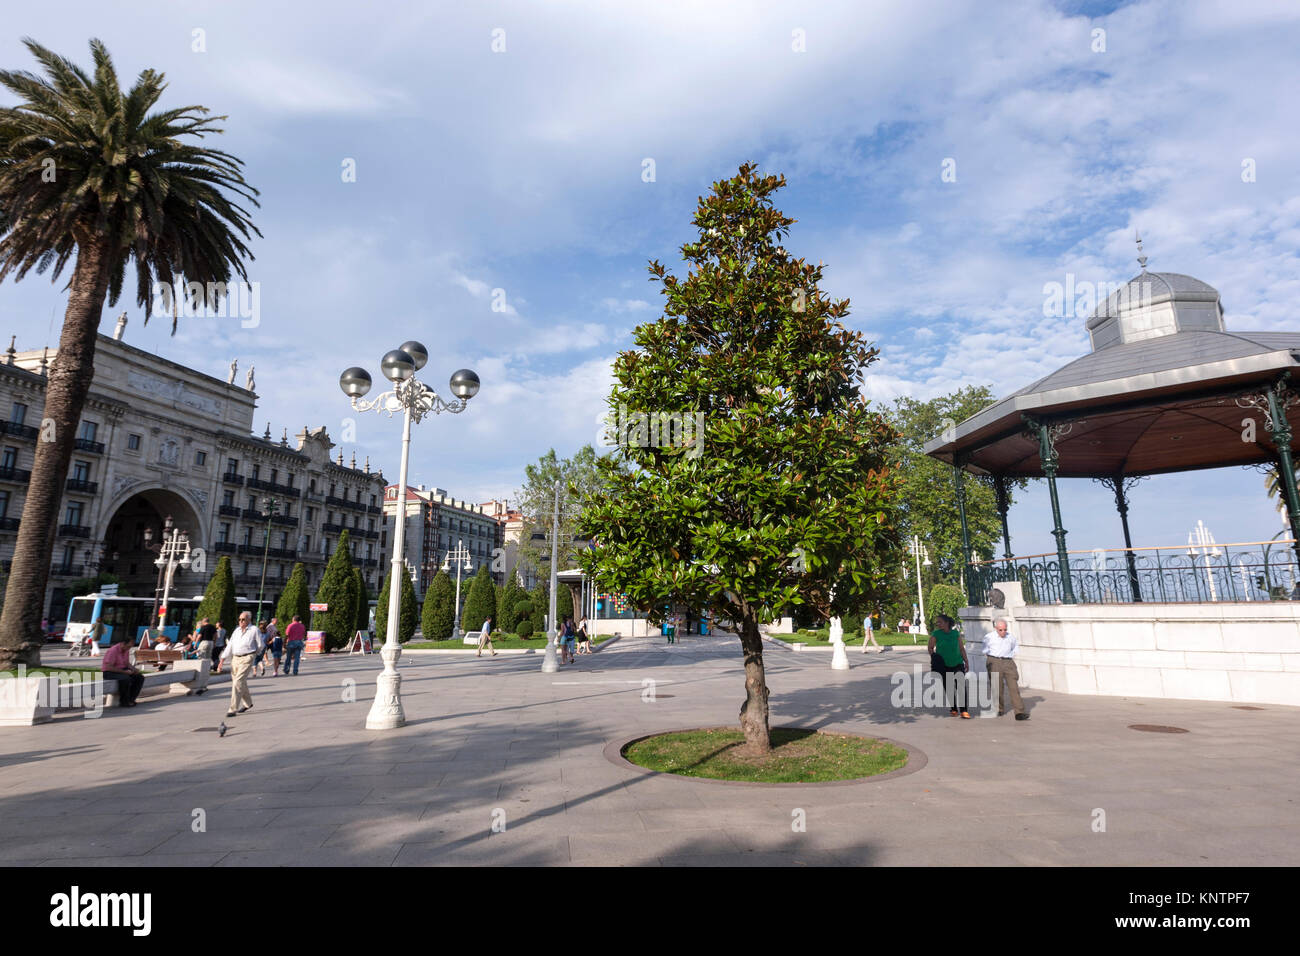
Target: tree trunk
x=753 y=713
x=65 y=395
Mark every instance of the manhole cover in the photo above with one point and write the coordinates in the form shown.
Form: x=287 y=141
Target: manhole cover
x=1157 y=729
x=1245 y=707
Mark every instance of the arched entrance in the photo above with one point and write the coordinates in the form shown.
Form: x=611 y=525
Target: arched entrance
x=125 y=553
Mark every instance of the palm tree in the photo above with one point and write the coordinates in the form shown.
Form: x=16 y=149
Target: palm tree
x=87 y=169
x=1276 y=490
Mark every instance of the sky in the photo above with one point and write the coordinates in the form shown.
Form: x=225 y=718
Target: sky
x=517 y=164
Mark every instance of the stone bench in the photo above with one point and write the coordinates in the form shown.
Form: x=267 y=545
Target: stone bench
x=182 y=678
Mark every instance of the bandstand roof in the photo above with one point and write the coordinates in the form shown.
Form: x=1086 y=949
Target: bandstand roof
x=1158 y=393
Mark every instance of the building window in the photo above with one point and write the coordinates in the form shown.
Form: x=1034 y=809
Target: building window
x=306 y=543
x=248 y=537
x=311 y=514
x=132 y=442
x=88 y=431
x=223 y=535
x=19 y=413
x=81 y=471
x=201 y=458
x=73 y=515
x=4 y=504
x=257 y=469
x=245 y=572
x=275 y=475
x=372 y=501
x=284 y=540
x=228 y=498
x=252 y=502
x=232 y=466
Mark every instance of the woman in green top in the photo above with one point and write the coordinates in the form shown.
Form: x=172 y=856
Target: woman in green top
x=948 y=656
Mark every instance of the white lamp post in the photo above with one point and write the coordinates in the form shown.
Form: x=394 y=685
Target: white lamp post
x=1201 y=542
x=415 y=400
x=919 y=550
x=461 y=557
x=549 y=664
x=175 y=553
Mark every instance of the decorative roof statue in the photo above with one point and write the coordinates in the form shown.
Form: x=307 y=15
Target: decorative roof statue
x=248 y=381
x=234 y=366
x=121 y=327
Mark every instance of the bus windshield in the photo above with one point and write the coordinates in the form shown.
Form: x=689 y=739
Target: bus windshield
x=82 y=608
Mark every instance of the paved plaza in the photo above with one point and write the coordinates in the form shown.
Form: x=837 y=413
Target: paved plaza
x=298 y=780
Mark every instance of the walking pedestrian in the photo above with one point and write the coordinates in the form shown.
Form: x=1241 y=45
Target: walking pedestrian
x=277 y=648
x=567 y=634
x=948 y=660
x=1000 y=647
x=584 y=639
x=207 y=640
x=242 y=649
x=485 y=637
x=259 y=664
x=219 y=646
x=295 y=637
x=117 y=664
x=869 y=635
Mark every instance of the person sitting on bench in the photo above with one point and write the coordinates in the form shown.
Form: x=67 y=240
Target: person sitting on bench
x=117 y=665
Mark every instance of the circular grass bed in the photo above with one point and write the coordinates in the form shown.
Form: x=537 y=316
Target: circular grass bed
x=797 y=756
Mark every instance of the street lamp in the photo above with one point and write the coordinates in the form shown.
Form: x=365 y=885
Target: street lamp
x=150 y=546
x=174 y=552
x=549 y=664
x=919 y=551
x=270 y=506
x=415 y=400
x=461 y=557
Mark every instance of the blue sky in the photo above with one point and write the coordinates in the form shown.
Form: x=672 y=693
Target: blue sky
x=522 y=171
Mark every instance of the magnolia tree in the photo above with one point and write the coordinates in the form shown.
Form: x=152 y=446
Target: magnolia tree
x=759 y=477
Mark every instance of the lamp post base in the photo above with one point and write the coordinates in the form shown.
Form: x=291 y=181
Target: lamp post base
x=549 y=664
x=386 y=712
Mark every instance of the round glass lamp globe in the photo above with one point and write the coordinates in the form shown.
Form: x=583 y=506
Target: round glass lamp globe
x=355 y=382
x=464 y=383
x=397 y=366
x=417 y=352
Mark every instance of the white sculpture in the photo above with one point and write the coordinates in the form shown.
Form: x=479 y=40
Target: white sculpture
x=248 y=382
x=234 y=365
x=121 y=327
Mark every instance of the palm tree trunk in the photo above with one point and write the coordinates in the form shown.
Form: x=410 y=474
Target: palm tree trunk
x=754 y=713
x=65 y=395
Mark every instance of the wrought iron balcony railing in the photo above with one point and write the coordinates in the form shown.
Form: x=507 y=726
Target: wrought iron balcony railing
x=1243 y=571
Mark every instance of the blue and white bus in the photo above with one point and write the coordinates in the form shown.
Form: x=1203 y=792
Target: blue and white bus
x=134 y=614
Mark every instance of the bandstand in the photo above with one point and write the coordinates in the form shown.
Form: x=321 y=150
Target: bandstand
x=1166 y=388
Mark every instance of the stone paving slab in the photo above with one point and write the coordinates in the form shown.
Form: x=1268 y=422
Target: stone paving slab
x=299 y=781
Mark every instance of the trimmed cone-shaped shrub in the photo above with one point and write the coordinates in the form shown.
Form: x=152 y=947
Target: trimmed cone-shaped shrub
x=563 y=602
x=407 y=618
x=218 y=604
x=338 y=590
x=295 y=599
x=944 y=599
x=438 y=617
x=481 y=603
x=541 y=607
x=508 y=611
x=363 y=603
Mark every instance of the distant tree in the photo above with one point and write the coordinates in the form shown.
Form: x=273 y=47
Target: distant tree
x=338 y=590
x=481 y=602
x=563 y=601
x=295 y=599
x=541 y=606
x=508 y=611
x=218 y=604
x=943 y=599
x=438 y=615
x=363 y=602
x=409 y=614
x=90 y=585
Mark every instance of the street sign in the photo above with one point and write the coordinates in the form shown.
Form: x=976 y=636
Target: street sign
x=320 y=607
x=108 y=590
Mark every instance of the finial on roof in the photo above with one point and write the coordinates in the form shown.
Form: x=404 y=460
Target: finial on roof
x=284 y=436
x=1142 y=259
x=354 y=458
x=367 y=464
x=340 y=457
x=45 y=356
x=266 y=435
x=9 y=355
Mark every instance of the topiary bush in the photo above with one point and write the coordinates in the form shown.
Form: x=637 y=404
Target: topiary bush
x=944 y=599
x=524 y=628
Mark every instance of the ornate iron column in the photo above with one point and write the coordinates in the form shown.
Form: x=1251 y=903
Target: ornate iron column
x=1120 y=486
x=965 y=529
x=1047 y=434
x=1002 y=493
x=1273 y=402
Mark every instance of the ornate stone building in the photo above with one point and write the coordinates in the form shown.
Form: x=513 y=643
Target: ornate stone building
x=157 y=439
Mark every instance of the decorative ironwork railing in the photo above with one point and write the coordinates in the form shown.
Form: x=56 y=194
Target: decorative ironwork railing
x=1245 y=571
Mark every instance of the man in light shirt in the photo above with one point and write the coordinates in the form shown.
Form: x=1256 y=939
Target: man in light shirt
x=869 y=635
x=999 y=654
x=242 y=649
